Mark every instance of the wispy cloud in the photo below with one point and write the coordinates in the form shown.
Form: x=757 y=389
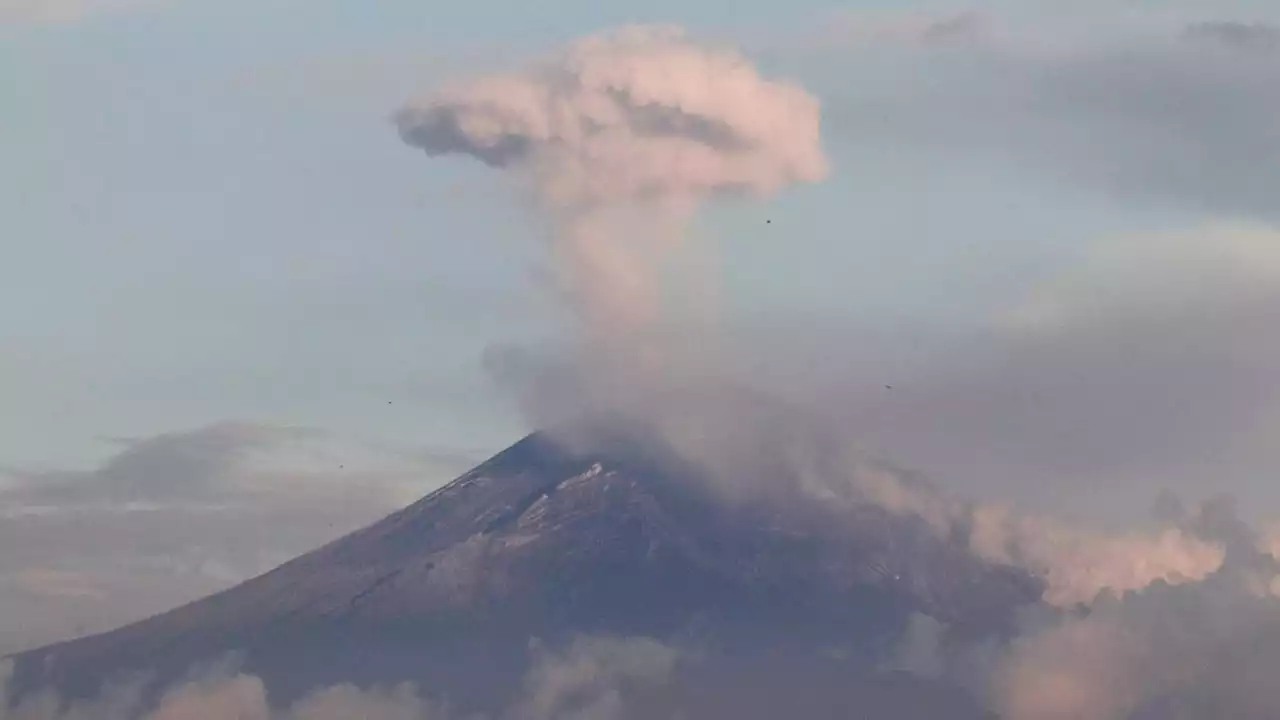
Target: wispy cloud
x=170 y=518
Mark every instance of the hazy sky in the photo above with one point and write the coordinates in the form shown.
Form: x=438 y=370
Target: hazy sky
x=206 y=217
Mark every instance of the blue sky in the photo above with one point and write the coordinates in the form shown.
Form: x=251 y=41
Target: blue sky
x=206 y=216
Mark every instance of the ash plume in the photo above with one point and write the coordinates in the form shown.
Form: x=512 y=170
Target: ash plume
x=619 y=138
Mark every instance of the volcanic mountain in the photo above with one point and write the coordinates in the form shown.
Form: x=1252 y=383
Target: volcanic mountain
x=791 y=599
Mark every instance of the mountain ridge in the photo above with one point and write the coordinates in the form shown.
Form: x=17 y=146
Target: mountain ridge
x=548 y=541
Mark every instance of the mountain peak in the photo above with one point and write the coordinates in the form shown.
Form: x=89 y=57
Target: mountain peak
x=551 y=540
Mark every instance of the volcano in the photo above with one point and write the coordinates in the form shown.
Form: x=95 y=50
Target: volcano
x=792 y=602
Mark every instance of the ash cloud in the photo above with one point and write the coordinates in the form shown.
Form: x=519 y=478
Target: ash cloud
x=755 y=443
x=622 y=116
x=1078 y=564
x=1042 y=440
x=1191 y=651
x=620 y=137
x=1146 y=370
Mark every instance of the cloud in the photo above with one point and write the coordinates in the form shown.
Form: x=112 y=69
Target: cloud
x=879 y=28
x=619 y=138
x=216 y=694
x=1186 y=122
x=342 y=702
x=170 y=518
x=1248 y=36
x=1212 y=269
x=589 y=679
x=1080 y=669
x=1195 y=650
x=55 y=583
x=754 y=446
x=187 y=465
x=920 y=650
x=237 y=697
x=205 y=468
x=1145 y=367
x=620 y=116
x=1078 y=565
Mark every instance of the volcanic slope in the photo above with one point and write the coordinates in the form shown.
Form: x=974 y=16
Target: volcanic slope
x=541 y=544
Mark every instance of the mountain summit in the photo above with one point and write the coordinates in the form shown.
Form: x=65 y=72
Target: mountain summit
x=553 y=540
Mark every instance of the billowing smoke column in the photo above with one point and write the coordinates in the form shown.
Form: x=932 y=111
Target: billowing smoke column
x=620 y=137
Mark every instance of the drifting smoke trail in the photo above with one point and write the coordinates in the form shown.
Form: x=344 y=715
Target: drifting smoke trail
x=621 y=136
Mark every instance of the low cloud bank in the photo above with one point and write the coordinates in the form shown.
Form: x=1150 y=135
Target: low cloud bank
x=590 y=680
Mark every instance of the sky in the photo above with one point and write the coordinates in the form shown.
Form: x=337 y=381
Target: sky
x=238 y=316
